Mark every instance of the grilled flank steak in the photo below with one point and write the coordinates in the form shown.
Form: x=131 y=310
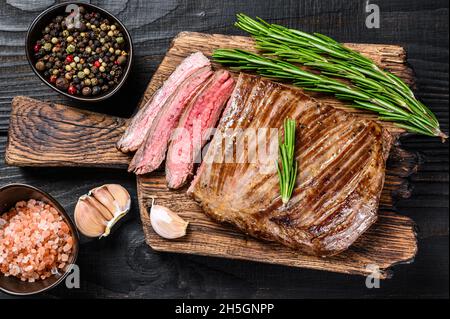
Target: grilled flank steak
x=340 y=176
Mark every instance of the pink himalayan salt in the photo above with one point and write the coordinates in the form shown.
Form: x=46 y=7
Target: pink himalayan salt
x=34 y=241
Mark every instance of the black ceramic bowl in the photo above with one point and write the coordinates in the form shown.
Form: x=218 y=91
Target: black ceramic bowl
x=9 y=196
x=35 y=33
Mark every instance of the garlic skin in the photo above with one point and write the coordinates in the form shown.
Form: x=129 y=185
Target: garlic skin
x=100 y=209
x=166 y=223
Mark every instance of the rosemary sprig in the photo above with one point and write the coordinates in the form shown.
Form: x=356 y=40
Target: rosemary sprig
x=277 y=69
x=287 y=167
x=321 y=52
x=370 y=87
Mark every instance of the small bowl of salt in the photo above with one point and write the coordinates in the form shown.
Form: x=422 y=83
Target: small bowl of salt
x=38 y=241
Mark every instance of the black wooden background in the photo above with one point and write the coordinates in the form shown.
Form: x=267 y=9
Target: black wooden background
x=123 y=266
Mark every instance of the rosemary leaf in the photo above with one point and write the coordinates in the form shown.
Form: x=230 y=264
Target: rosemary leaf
x=287 y=165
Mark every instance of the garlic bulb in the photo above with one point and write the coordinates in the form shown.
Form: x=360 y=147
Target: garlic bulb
x=100 y=209
x=166 y=223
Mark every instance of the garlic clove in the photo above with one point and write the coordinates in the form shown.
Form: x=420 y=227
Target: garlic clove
x=166 y=223
x=88 y=219
x=99 y=206
x=121 y=196
x=99 y=210
x=103 y=196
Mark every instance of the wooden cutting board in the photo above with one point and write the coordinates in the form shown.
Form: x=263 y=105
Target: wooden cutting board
x=46 y=134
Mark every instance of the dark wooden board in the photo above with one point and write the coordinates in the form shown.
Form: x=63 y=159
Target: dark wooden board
x=48 y=134
x=128 y=267
x=54 y=135
x=391 y=241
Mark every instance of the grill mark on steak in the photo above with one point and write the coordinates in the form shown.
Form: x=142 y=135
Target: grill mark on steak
x=328 y=141
x=229 y=121
x=341 y=215
x=246 y=107
x=264 y=102
x=328 y=174
x=341 y=172
x=152 y=152
x=240 y=94
x=321 y=129
x=310 y=132
x=140 y=124
x=334 y=183
x=311 y=155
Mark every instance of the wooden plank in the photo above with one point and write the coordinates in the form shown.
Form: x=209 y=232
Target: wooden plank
x=48 y=134
x=208 y=238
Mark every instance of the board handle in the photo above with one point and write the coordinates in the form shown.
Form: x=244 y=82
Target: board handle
x=54 y=135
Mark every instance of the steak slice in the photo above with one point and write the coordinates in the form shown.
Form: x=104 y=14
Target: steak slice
x=141 y=122
x=341 y=171
x=194 y=128
x=153 y=150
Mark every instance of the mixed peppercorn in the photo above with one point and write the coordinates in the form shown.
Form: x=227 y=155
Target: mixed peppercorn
x=86 y=58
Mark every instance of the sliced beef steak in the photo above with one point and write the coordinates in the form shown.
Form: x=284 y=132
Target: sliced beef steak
x=153 y=150
x=195 y=127
x=341 y=171
x=140 y=123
